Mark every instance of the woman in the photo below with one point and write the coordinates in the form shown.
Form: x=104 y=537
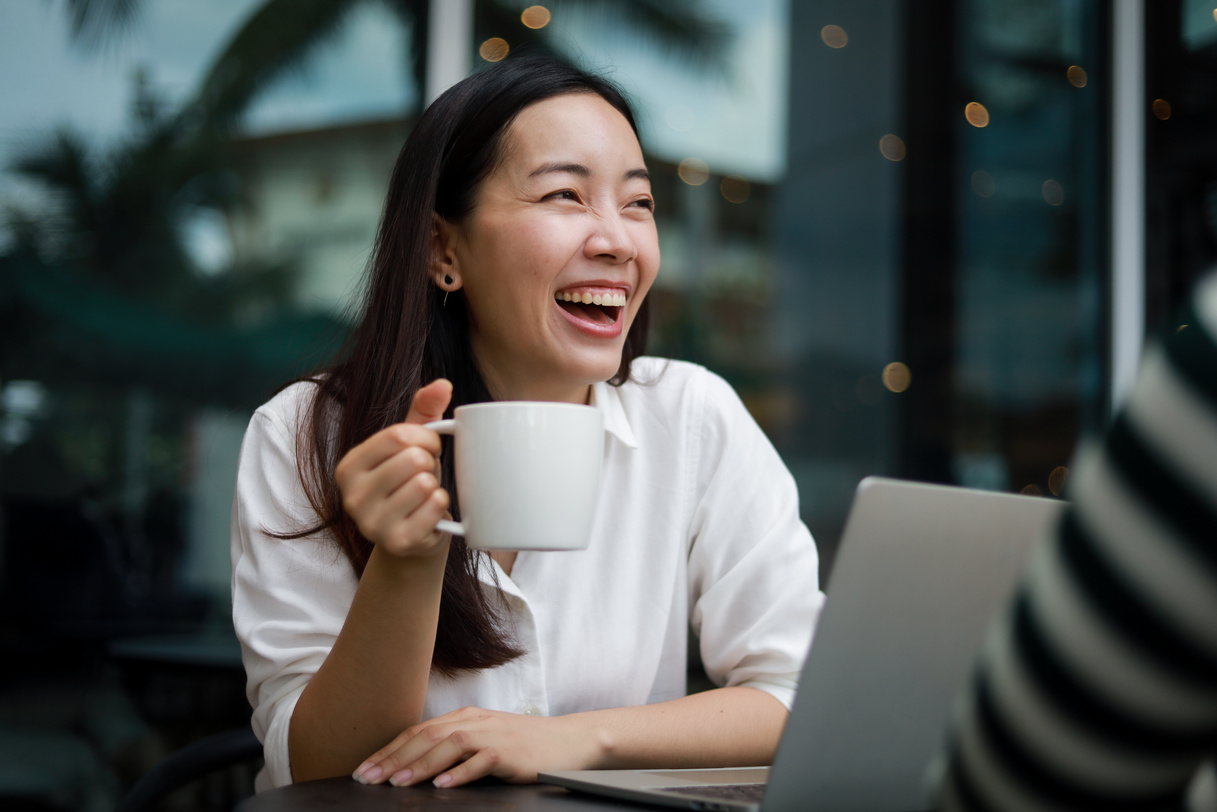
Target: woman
x=513 y=261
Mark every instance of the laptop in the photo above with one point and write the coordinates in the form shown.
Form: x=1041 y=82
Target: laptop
x=920 y=572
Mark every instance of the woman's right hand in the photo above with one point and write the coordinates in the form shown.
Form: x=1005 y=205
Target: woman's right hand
x=390 y=482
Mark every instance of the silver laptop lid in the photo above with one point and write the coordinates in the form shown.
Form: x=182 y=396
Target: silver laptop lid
x=920 y=572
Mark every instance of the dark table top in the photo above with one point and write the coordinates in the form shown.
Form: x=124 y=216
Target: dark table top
x=484 y=796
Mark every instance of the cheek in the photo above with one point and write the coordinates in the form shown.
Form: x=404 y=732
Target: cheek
x=648 y=258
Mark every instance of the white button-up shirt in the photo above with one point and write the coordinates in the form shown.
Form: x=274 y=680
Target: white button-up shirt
x=697 y=527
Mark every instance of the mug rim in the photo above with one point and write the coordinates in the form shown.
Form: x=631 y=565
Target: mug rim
x=520 y=404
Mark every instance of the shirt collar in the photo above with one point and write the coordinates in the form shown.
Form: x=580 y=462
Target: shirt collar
x=608 y=400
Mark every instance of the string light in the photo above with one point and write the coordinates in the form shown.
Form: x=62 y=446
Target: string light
x=494 y=49
x=834 y=36
x=535 y=17
x=735 y=189
x=976 y=114
x=1053 y=192
x=892 y=148
x=897 y=377
x=693 y=171
x=983 y=183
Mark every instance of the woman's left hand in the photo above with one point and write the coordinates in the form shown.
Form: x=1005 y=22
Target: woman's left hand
x=471 y=743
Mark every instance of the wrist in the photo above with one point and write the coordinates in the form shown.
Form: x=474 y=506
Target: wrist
x=414 y=565
x=595 y=739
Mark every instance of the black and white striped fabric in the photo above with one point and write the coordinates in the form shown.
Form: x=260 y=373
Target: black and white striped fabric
x=1098 y=689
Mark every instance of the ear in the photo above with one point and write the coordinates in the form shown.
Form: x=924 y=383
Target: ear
x=445 y=268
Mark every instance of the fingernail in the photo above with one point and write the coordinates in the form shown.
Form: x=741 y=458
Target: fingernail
x=400 y=779
x=367 y=773
x=443 y=781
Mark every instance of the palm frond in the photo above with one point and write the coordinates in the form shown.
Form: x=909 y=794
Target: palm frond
x=684 y=28
x=280 y=36
x=93 y=24
x=61 y=166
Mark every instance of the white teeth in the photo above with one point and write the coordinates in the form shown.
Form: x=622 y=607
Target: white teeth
x=605 y=299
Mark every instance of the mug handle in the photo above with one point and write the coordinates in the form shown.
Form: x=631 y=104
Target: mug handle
x=446 y=525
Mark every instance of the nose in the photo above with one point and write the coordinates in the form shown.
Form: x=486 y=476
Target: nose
x=610 y=240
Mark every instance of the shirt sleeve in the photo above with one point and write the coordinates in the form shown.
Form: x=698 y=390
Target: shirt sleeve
x=290 y=596
x=753 y=567
x=1098 y=688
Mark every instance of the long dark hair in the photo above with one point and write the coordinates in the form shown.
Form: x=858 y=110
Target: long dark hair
x=408 y=336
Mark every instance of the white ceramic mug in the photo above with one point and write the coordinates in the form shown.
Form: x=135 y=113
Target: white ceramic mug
x=527 y=474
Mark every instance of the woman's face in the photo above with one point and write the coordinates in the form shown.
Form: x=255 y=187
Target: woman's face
x=558 y=252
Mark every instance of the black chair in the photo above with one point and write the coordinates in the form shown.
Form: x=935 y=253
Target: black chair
x=192 y=762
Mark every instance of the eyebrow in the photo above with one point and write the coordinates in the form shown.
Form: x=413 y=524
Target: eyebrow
x=583 y=172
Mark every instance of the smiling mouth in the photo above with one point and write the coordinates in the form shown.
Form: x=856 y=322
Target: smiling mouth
x=597 y=308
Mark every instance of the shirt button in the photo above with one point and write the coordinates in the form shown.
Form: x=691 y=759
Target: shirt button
x=530 y=710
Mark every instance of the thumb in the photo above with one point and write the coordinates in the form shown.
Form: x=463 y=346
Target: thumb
x=430 y=401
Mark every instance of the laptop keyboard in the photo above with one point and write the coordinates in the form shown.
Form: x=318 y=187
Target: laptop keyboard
x=730 y=792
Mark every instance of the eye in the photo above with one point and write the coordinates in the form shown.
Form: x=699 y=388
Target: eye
x=644 y=203
x=562 y=194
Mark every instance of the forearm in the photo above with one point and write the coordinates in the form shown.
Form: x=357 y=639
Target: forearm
x=723 y=727
x=373 y=683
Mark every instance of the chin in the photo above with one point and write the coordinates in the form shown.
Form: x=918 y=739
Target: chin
x=598 y=370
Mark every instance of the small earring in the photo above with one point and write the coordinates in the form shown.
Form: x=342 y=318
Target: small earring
x=447 y=279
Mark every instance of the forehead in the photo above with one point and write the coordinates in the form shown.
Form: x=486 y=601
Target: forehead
x=568 y=127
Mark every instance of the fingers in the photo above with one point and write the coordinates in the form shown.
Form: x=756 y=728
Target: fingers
x=481 y=764
x=430 y=401
x=454 y=749
x=390 y=488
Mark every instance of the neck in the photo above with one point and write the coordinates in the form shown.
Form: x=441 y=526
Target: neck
x=502 y=388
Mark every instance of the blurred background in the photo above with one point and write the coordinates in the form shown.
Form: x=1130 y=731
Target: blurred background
x=923 y=239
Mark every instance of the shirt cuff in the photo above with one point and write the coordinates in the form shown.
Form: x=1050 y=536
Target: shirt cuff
x=278 y=769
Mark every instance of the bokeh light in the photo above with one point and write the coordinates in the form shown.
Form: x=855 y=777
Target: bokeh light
x=693 y=171
x=983 y=183
x=892 y=147
x=834 y=36
x=1053 y=192
x=897 y=377
x=976 y=114
x=1032 y=490
x=1056 y=480
x=494 y=49
x=1076 y=76
x=735 y=189
x=535 y=17
x=1162 y=109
